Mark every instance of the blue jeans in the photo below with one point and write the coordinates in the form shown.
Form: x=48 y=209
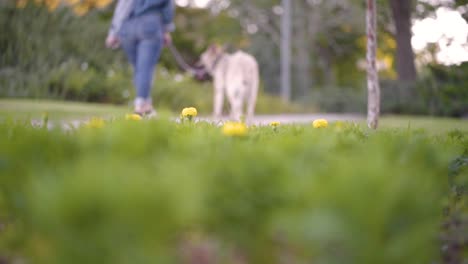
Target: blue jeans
x=142 y=40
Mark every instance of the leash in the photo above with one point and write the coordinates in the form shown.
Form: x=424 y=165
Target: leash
x=181 y=62
x=197 y=73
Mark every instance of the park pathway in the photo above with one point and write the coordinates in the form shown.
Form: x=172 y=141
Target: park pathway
x=301 y=118
x=258 y=120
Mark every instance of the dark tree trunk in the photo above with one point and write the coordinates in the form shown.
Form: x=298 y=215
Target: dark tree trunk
x=401 y=10
x=302 y=49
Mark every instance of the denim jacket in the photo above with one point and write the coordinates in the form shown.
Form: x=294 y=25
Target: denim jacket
x=134 y=8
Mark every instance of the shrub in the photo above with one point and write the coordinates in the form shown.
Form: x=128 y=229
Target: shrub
x=134 y=191
x=440 y=93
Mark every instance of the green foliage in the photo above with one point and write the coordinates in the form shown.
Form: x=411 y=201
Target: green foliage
x=135 y=191
x=445 y=90
x=440 y=93
x=55 y=55
x=339 y=100
x=455 y=228
x=64 y=62
x=60 y=55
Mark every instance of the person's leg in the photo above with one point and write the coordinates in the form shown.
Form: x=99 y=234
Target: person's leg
x=129 y=43
x=148 y=34
x=130 y=48
x=148 y=51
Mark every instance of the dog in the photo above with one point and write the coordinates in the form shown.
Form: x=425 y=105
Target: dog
x=235 y=75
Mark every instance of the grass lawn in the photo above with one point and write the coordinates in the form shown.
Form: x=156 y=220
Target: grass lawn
x=59 y=110
x=152 y=190
x=432 y=124
x=56 y=110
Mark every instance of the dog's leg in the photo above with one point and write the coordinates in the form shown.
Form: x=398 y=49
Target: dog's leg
x=218 y=98
x=252 y=92
x=237 y=103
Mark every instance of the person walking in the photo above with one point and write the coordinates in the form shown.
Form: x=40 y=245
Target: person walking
x=142 y=28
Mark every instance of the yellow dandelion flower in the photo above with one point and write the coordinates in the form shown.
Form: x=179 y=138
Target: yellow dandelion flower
x=275 y=124
x=134 y=117
x=21 y=3
x=234 y=129
x=320 y=123
x=95 y=122
x=189 y=112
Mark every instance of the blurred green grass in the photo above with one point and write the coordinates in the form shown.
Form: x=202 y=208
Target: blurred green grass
x=427 y=123
x=57 y=110
x=131 y=189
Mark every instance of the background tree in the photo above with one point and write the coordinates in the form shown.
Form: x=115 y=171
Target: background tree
x=373 y=88
x=401 y=12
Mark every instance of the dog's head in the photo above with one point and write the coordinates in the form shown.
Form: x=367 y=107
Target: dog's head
x=210 y=56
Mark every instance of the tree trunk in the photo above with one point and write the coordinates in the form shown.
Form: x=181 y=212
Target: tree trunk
x=302 y=50
x=286 y=51
x=401 y=10
x=373 y=89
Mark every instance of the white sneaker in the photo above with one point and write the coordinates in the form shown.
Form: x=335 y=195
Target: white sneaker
x=144 y=107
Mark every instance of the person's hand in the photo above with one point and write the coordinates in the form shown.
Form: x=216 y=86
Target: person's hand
x=167 y=39
x=112 y=42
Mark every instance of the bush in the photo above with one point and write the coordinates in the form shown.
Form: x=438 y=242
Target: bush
x=138 y=191
x=338 y=100
x=55 y=54
x=441 y=93
x=446 y=91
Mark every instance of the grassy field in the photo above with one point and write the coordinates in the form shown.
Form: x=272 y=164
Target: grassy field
x=127 y=190
x=59 y=110
x=430 y=124
x=156 y=191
